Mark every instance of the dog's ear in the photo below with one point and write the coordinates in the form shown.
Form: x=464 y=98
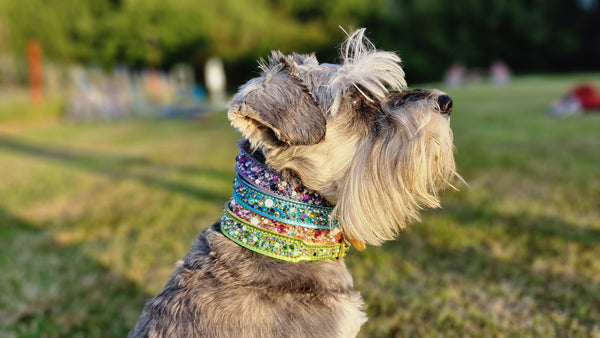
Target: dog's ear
x=278 y=107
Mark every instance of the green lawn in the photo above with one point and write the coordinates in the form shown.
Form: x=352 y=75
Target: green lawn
x=93 y=217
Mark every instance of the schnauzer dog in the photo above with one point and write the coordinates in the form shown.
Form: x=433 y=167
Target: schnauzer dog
x=332 y=156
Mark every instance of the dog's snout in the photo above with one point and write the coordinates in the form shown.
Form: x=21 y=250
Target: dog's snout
x=445 y=103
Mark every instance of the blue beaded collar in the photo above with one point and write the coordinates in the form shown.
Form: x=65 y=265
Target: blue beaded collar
x=280 y=209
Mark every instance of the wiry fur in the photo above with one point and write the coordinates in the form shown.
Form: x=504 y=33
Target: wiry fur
x=351 y=132
x=379 y=175
x=367 y=70
x=397 y=172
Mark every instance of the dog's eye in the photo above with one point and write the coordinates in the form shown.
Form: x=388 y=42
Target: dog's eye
x=357 y=101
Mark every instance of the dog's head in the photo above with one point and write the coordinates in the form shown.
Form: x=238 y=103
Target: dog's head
x=351 y=132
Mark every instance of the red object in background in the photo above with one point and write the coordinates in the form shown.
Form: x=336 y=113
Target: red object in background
x=34 y=62
x=588 y=96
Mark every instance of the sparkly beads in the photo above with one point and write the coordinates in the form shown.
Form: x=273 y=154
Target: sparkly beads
x=264 y=178
x=268 y=205
x=276 y=218
x=274 y=244
x=307 y=235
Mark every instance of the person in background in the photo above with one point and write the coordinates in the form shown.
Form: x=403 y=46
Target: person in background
x=582 y=99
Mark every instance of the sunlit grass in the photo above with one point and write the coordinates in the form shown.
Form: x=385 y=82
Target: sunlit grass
x=94 y=216
x=513 y=253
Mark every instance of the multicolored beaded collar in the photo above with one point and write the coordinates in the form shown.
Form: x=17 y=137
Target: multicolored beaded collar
x=280 y=209
x=273 y=217
x=264 y=178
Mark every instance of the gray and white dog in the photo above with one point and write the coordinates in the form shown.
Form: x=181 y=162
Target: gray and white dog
x=348 y=133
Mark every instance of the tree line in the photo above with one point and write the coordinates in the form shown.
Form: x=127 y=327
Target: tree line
x=529 y=35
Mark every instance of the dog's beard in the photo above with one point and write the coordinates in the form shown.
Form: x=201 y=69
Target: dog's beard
x=393 y=177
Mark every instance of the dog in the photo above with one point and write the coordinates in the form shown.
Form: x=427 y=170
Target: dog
x=332 y=156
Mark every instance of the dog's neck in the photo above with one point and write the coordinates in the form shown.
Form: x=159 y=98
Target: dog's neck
x=252 y=167
x=275 y=217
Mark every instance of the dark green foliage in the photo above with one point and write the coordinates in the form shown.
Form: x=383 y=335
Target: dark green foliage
x=548 y=35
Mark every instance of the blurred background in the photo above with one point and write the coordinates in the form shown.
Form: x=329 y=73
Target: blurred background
x=115 y=153
x=133 y=37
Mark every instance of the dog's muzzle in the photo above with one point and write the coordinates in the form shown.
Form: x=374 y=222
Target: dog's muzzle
x=445 y=104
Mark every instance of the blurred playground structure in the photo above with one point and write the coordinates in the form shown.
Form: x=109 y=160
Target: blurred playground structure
x=98 y=96
x=93 y=94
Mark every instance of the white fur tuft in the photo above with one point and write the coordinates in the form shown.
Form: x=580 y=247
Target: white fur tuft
x=366 y=69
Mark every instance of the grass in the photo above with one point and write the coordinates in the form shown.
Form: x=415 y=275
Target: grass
x=94 y=216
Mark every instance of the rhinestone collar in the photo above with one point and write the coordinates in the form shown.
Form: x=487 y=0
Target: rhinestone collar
x=280 y=209
x=264 y=178
x=274 y=217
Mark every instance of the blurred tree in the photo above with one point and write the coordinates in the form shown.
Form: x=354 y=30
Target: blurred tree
x=67 y=29
x=530 y=35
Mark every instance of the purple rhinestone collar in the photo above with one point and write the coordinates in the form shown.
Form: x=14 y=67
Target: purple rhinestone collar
x=270 y=181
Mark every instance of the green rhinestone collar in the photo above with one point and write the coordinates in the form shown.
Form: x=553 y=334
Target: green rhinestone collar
x=276 y=245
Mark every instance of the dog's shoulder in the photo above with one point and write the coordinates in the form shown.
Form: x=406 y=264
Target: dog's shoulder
x=221 y=286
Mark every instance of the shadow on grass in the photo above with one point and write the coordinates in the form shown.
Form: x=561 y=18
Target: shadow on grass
x=116 y=166
x=542 y=263
x=533 y=226
x=50 y=289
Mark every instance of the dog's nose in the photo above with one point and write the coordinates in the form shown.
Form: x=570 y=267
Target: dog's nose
x=445 y=103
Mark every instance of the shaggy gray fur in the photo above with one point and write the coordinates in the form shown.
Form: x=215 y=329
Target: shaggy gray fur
x=223 y=290
x=352 y=133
